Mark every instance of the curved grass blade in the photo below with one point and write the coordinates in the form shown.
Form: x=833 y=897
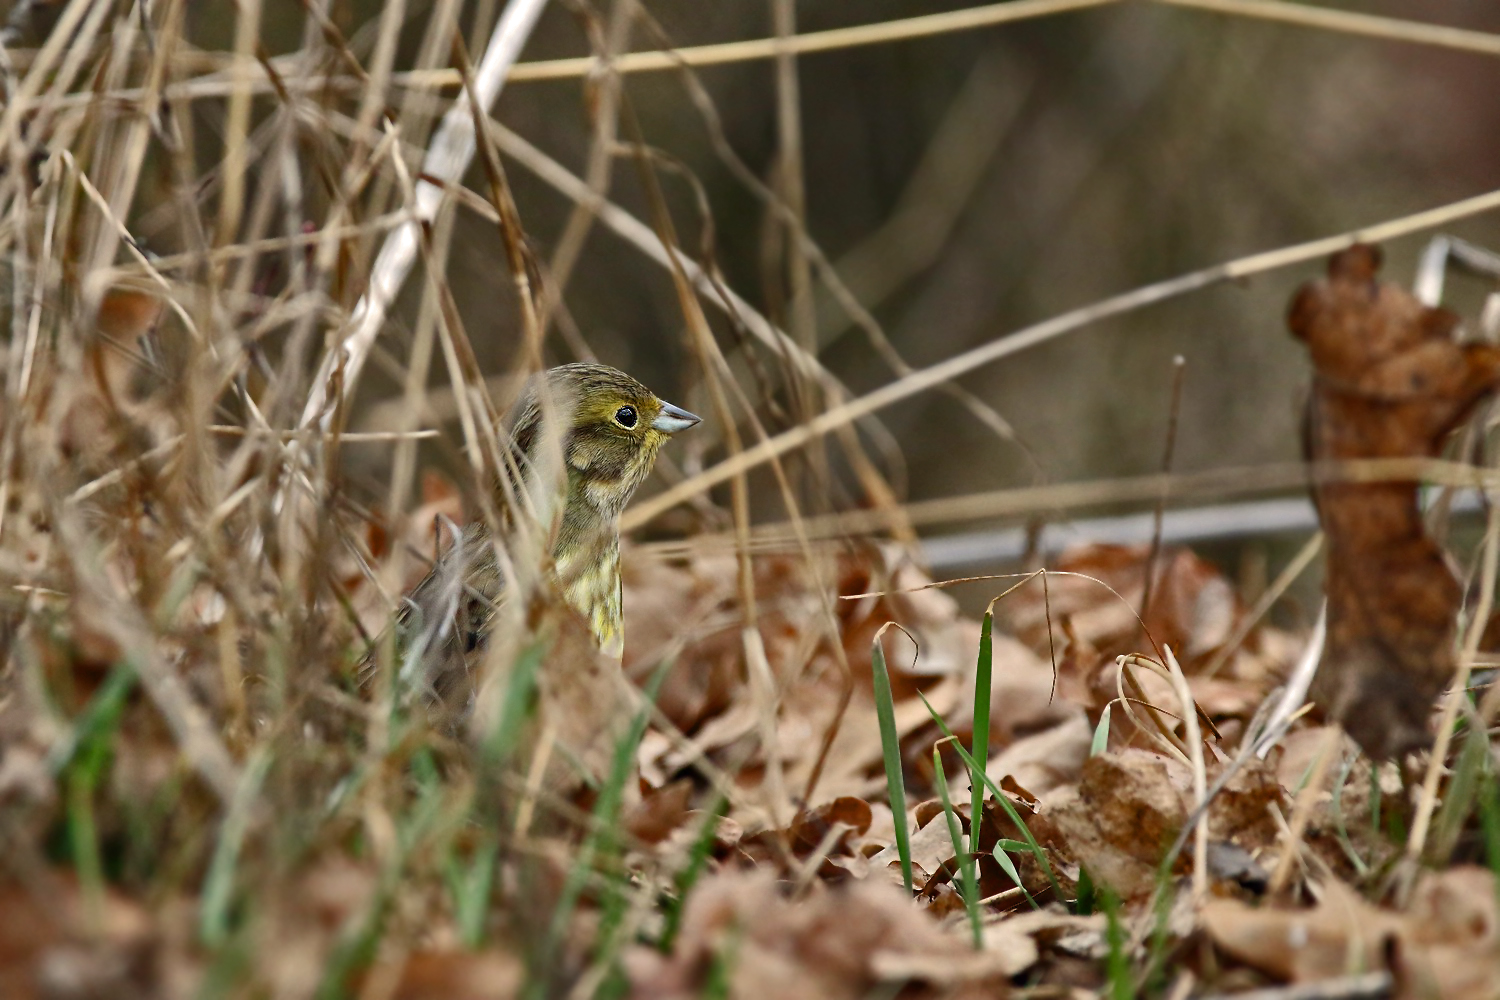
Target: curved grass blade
x=966 y=859
x=1101 y=733
x=1010 y=810
x=890 y=749
x=980 y=748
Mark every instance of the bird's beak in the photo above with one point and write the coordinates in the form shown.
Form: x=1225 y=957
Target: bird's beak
x=674 y=418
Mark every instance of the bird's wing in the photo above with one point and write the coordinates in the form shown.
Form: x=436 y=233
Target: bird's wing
x=445 y=617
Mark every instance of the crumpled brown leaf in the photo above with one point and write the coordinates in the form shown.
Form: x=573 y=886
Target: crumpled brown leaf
x=1087 y=616
x=1391 y=381
x=424 y=530
x=1446 y=946
x=1128 y=808
x=836 y=943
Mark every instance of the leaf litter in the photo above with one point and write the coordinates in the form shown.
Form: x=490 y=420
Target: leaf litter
x=748 y=848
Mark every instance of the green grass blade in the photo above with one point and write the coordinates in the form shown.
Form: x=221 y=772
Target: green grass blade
x=966 y=859
x=688 y=877
x=218 y=885
x=1101 y=733
x=1117 y=961
x=720 y=979
x=83 y=759
x=1004 y=861
x=980 y=748
x=1010 y=810
x=1152 y=981
x=1489 y=819
x=600 y=846
x=519 y=692
x=95 y=725
x=1459 y=799
x=890 y=747
x=1345 y=843
x=469 y=884
x=1087 y=900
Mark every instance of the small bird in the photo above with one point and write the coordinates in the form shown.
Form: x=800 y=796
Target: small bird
x=613 y=427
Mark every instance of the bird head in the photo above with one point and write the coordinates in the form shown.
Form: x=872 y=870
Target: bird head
x=613 y=427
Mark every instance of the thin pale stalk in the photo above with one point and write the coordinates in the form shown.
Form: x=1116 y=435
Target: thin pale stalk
x=1026 y=338
x=1459 y=691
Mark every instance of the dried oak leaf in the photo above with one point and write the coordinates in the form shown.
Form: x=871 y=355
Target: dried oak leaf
x=811 y=827
x=1390 y=382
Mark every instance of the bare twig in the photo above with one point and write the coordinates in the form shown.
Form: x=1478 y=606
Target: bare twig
x=1174 y=409
x=1349 y=22
x=1193 y=737
x=448 y=156
x=1039 y=333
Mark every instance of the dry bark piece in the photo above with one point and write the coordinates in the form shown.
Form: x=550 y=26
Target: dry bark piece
x=1390 y=382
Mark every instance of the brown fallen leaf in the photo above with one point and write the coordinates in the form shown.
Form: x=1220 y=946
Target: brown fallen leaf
x=1194 y=609
x=1446 y=946
x=841 y=942
x=1087 y=619
x=835 y=827
x=460 y=975
x=812 y=826
x=424 y=532
x=126 y=314
x=1129 y=806
x=1120 y=820
x=583 y=703
x=1390 y=381
x=660 y=811
x=1048 y=759
x=62 y=943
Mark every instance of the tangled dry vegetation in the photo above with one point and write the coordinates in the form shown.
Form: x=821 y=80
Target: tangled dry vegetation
x=780 y=795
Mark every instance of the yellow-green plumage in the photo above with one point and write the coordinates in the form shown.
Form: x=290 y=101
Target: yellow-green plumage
x=613 y=427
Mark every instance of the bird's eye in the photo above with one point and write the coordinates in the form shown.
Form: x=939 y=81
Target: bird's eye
x=625 y=416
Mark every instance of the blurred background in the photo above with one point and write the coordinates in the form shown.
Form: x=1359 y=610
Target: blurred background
x=1051 y=163
x=963 y=186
